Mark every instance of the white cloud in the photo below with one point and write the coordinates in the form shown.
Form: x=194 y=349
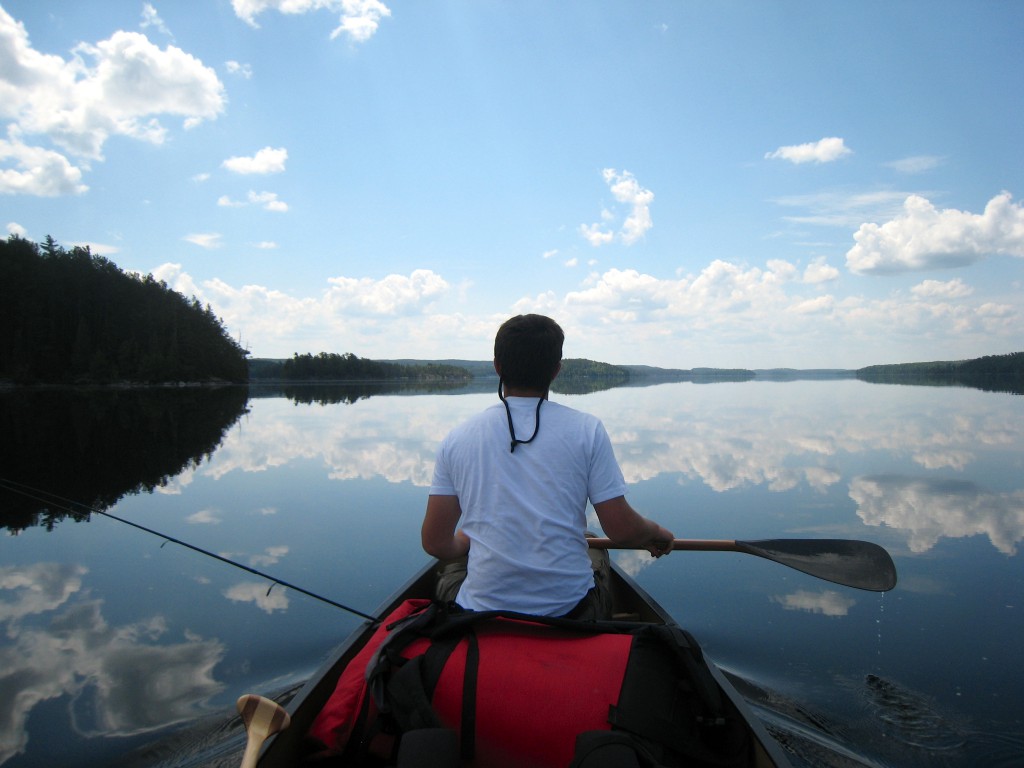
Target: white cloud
x=267 y=200
x=916 y=164
x=360 y=311
x=267 y=160
x=207 y=240
x=266 y=245
x=626 y=190
x=237 y=68
x=822 y=151
x=595 y=235
x=391 y=295
x=934 y=289
x=150 y=18
x=36 y=171
x=14 y=228
x=727 y=314
x=116 y=87
x=549 y=254
x=130 y=81
x=818 y=271
x=814 y=306
x=637 y=200
x=359 y=19
x=923 y=237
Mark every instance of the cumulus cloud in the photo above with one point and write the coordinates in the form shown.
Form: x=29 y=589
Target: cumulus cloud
x=935 y=289
x=267 y=160
x=37 y=171
x=14 y=228
x=818 y=271
x=637 y=202
x=360 y=310
x=359 y=19
x=822 y=151
x=923 y=237
x=393 y=294
x=115 y=87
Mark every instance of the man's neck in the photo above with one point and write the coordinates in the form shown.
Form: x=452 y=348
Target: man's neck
x=510 y=391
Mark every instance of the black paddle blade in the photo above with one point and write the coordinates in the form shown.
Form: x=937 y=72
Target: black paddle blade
x=858 y=564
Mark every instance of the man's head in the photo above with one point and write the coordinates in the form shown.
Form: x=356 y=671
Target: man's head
x=528 y=351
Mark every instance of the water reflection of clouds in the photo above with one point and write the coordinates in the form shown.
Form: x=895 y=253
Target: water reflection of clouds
x=119 y=680
x=828 y=602
x=933 y=508
x=351 y=441
x=781 y=437
x=257 y=593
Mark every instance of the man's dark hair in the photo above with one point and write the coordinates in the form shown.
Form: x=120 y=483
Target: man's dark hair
x=528 y=348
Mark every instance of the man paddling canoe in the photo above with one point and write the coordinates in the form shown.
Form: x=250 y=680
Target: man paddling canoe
x=518 y=476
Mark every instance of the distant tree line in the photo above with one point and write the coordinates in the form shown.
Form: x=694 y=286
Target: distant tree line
x=328 y=366
x=70 y=316
x=994 y=373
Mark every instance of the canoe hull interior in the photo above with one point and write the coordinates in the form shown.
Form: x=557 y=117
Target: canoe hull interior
x=631 y=603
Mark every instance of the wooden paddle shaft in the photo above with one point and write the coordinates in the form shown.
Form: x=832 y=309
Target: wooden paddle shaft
x=700 y=545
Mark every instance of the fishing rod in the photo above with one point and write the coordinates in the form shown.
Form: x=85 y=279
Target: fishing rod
x=77 y=509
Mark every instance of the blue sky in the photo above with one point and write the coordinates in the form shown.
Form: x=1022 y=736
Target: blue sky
x=682 y=184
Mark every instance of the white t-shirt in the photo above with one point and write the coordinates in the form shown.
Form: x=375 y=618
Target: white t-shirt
x=525 y=511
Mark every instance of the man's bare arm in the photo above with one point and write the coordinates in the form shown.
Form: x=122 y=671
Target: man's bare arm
x=438 y=534
x=628 y=528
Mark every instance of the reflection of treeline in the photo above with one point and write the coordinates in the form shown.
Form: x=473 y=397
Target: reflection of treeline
x=333 y=394
x=580 y=376
x=994 y=373
x=69 y=316
x=328 y=366
x=93 y=447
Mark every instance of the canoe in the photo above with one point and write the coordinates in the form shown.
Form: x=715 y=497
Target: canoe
x=632 y=605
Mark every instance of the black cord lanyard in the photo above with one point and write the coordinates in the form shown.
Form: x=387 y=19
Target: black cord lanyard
x=511 y=429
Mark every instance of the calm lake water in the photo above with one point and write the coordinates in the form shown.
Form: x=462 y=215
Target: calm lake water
x=118 y=648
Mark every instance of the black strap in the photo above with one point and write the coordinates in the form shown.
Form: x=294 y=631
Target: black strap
x=470 y=676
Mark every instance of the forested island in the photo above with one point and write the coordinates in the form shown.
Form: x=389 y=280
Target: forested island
x=329 y=366
x=994 y=373
x=72 y=317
